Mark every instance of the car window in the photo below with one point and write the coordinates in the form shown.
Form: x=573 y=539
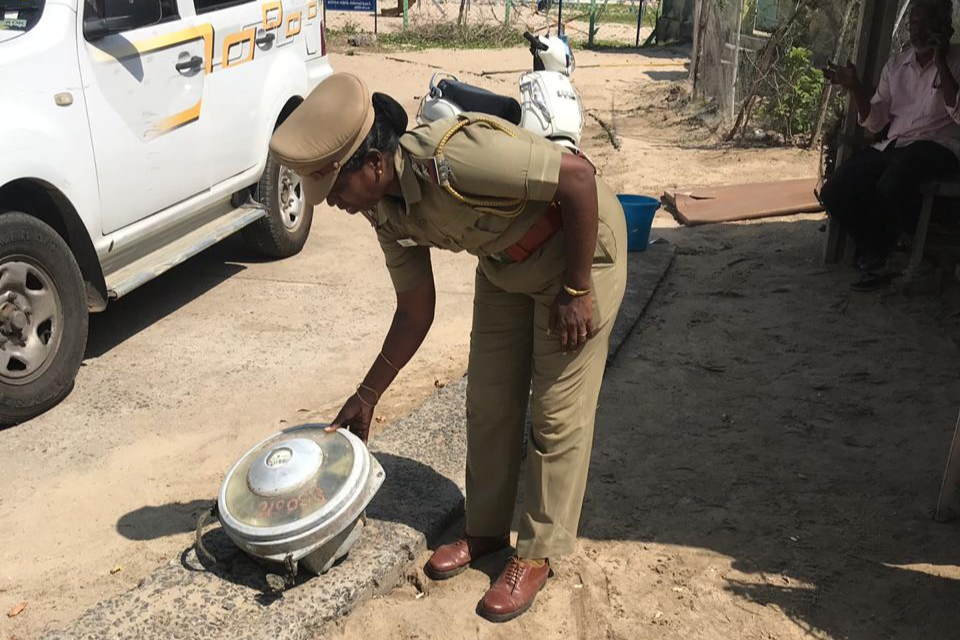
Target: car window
x=19 y=15
x=169 y=10
x=206 y=6
x=94 y=8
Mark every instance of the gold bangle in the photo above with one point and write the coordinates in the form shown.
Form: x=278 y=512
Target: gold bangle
x=576 y=293
x=362 y=401
x=371 y=390
x=387 y=360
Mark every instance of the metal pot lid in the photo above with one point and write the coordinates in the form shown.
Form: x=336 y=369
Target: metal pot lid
x=294 y=482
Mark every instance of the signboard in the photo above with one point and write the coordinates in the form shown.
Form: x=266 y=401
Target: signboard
x=352 y=5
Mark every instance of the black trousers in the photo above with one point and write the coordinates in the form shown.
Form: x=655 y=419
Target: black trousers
x=875 y=194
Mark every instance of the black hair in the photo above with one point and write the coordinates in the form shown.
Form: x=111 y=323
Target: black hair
x=389 y=123
x=939 y=12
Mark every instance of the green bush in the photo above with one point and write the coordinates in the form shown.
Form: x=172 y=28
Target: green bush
x=791 y=100
x=449 y=35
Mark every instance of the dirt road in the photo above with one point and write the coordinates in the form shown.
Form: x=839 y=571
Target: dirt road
x=185 y=374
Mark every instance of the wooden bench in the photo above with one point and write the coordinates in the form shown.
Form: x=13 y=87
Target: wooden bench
x=947 y=506
x=931 y=190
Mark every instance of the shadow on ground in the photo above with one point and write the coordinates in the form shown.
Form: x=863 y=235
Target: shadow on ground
x=763 y=412
x=151 y=523
x=162 y=296
x=667 y=76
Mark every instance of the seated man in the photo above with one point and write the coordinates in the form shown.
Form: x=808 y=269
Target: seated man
x=875 y=194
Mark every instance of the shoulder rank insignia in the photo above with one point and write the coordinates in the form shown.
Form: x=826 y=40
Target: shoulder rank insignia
x=434 y=169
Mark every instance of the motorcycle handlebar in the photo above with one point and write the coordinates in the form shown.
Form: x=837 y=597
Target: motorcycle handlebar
x=535 y=41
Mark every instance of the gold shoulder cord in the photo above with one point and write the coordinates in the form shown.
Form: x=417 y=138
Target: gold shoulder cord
x=503 y=207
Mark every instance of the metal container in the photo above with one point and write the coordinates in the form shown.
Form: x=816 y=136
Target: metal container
x=297 y=498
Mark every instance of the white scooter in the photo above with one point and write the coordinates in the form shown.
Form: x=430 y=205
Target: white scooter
x=549 y=105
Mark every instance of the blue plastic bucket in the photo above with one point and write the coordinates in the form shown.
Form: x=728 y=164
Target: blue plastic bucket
x=639 y=211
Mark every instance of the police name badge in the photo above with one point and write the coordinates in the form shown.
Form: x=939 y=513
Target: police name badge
x=407 y=242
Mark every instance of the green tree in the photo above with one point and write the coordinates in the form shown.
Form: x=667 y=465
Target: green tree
x=793 y=96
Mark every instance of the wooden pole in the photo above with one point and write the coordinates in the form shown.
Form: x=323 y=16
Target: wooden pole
x=871 y=52
x=639 y=22
x=827 y=94
x=702 y=12
x=592 y=22
x=736 y=61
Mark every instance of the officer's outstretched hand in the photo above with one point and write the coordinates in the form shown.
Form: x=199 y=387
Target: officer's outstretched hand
x=355 y=416
x=572 y=318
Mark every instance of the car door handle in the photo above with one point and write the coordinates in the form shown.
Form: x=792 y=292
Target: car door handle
x=192 y=64
x=265 y=40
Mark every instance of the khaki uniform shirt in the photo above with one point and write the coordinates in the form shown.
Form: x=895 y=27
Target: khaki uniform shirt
x=484 y=163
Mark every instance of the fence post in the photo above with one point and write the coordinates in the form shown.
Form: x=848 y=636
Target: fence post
x=593 y=21
x=506 y=15
x=640 y=21
x=406 y=11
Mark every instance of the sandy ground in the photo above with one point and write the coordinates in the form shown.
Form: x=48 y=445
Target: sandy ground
x=768 y=454
x=186 y=373
x=769 y=445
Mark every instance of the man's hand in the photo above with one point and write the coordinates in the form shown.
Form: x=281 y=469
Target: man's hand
x=941 y=48
x=845 y=76
x=572 y=318
x=355 y=416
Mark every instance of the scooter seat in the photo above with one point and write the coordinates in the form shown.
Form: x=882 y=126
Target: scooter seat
x=470 y=98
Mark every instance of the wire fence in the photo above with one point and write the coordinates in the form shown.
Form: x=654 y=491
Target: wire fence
x=760 y=63
x=586 y=23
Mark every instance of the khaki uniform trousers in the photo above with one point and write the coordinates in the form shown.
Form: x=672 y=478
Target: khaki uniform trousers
x=513 y=360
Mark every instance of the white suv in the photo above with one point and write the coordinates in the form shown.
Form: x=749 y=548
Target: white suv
x=134 y=134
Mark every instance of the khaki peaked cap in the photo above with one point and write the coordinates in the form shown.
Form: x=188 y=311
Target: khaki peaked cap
x=324 y=132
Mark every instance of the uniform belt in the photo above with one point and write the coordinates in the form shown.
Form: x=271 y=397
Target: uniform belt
x=535 y=237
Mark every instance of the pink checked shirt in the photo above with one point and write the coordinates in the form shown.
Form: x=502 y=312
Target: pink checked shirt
x=910 y=101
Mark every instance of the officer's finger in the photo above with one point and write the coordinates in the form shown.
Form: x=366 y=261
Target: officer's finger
x=584 y=334
x=337 y=422
x=342 y=421
x=360 y=430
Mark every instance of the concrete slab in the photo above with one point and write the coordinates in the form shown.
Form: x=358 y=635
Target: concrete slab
x=423 y=456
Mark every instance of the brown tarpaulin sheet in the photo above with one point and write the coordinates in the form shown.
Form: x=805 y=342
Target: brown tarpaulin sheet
x=742 y=201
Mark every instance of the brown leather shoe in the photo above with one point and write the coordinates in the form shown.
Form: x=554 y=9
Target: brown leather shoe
x=514 y=591
x=452 y=559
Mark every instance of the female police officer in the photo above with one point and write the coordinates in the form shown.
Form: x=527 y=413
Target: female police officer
x=551 y=241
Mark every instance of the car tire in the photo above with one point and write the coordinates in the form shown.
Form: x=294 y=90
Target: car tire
x=43 y=318
x=284 y=230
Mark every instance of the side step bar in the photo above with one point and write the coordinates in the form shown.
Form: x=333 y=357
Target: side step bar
x=124 y=280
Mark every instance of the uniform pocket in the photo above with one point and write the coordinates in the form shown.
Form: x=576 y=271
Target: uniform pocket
x=491 y=223
x=606 y=251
